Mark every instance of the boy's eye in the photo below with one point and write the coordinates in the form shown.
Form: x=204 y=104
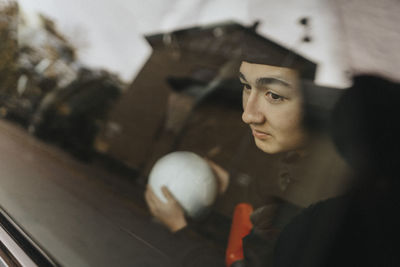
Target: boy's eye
x=274 y=97
x=247 y=86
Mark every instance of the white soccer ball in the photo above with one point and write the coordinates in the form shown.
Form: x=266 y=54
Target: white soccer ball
x=189 y=178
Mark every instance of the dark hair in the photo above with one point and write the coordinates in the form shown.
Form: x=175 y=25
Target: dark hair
x=275 y=55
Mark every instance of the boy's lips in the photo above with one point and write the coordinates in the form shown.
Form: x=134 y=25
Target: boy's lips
x=260 y=134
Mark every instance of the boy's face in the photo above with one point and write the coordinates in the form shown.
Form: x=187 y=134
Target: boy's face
x=273 y=107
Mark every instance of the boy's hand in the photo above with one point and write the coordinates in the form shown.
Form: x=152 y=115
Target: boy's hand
x=170 y=214
x=222 y=176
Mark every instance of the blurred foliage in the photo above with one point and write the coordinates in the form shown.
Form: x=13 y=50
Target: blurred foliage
x=8 y=46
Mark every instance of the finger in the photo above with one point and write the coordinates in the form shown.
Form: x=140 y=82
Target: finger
x=218 y=169
x=152 y=195
x=222 y=176
x=214 y=167
x=159 y=204
x=149 y=189
x=147 y=193
x=151 y=207
x=152 y=199
x=168 y=195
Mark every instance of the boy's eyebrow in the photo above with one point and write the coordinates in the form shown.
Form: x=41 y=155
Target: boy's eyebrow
x=263 y=81
x=271 y=80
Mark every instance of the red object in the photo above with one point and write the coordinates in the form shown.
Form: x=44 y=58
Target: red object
x=241 y=226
